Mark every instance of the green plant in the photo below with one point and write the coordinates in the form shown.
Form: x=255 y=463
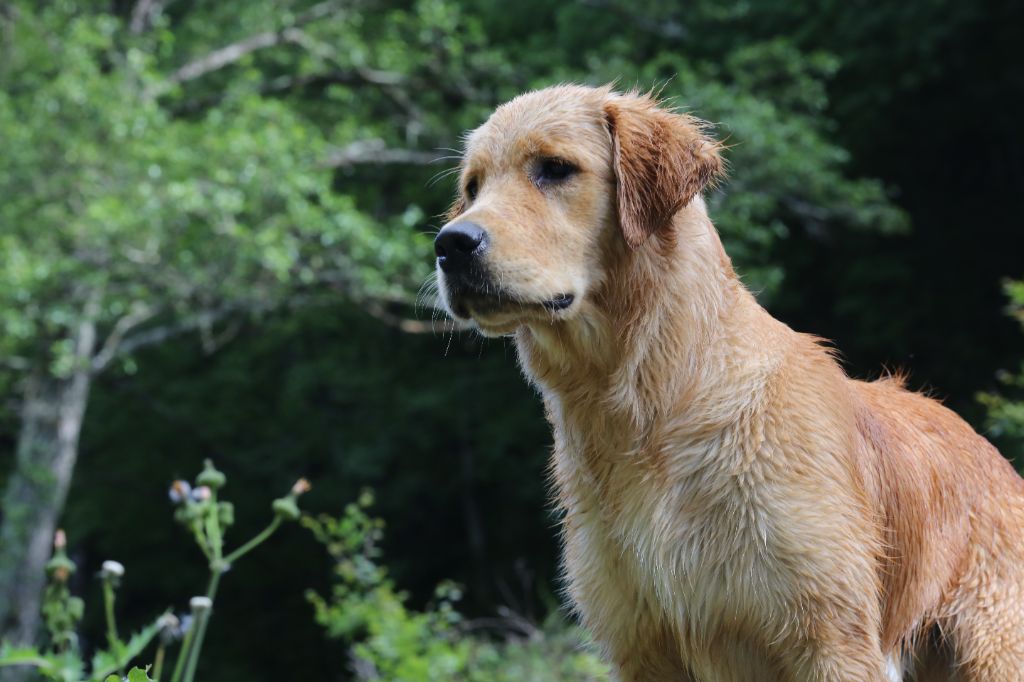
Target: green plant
x=390 y=641
x=208 y=519
x=1006 y=408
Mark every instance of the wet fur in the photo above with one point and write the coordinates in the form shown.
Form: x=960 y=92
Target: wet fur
x=735 y=507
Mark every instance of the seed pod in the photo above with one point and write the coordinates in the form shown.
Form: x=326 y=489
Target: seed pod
x=112 y=569
x=225 y=513
x=60 y=567
x=286 y=508
x=211 y=477
x=170 y=628
x=200 y=605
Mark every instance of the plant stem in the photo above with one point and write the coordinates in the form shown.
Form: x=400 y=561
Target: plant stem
x=188 y=657
x=186 y=647
x=108 y=606
x=42 y=664
x=202 y=619
x=158 y=662
x=255 y=542
x=213 y=533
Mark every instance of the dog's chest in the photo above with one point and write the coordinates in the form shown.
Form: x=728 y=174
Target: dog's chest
x=677 y=536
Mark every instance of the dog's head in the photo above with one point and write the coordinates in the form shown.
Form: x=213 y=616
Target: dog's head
x=553 y=186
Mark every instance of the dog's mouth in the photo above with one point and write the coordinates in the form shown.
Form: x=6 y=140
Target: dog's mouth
x=475 y=296
x=502 y=307
x=559 y=302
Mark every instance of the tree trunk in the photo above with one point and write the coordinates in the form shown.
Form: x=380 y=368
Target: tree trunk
x=51 y=420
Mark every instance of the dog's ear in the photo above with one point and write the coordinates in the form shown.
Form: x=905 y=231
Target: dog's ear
x=661 y=159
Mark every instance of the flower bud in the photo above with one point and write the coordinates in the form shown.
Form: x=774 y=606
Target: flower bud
x=179 y=491
x=170 y=628
x=286 y=509
x=186 y=514
x=200 y=605
x=225 y=513
x=211 y=477
x=365 y=498
x=60 y=567
x=201 y=493
x=76 y=608
x=112 y=570
x=301 y=487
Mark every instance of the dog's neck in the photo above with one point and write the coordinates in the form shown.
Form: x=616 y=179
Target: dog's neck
x=638 y=351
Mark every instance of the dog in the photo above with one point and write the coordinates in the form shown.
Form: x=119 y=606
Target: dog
x=734 y=507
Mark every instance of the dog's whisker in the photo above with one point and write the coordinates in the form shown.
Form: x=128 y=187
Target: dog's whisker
x=442 y=174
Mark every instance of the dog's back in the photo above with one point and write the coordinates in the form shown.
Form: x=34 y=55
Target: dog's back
x=952 y=516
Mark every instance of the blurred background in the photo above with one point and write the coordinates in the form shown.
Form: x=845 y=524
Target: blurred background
x=216 y=219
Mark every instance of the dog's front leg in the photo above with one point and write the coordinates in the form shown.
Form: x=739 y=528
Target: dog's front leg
x=842 y=656
x=639 y=671
x=635 y=639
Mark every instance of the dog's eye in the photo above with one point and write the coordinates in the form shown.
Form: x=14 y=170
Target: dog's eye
x=472 y=187
x=552 y=170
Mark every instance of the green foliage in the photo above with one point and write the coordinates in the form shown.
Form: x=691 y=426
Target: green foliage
x=1006 y=408
x=392 y=642
x=67 y=665
x=119 y=211
x=221 y=196
x=134 y=675
x=191 y=203
x=62 y=612
x=105 y=662
x=208 y=519
x=61 y=659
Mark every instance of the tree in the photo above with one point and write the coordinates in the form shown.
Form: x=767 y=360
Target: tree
x=124 y=225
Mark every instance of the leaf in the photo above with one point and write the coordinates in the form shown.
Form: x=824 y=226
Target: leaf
x=138 y=675
x=65 y=667
x=25 y=655
x=106 y=662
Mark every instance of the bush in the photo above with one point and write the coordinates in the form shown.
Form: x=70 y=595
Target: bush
x=389 y=641
x=386 y=639
x=1006 y=408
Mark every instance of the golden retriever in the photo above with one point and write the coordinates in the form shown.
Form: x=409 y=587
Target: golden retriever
x=735 y=507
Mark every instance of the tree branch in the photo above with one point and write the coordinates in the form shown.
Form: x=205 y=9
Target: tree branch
x=131 y=342
x=8 y=15
x=664 y=26
x=229 y=54
x=138 y=315
x=405 y=324
x=355 y=77
x=358 y=76
x=376 y=152
x=142 y=15
x=212 y=342
x=15 y=363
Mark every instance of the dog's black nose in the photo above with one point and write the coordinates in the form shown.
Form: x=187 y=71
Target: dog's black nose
x=458 y=244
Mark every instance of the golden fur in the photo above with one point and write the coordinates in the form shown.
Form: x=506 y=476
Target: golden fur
x=735 y=507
